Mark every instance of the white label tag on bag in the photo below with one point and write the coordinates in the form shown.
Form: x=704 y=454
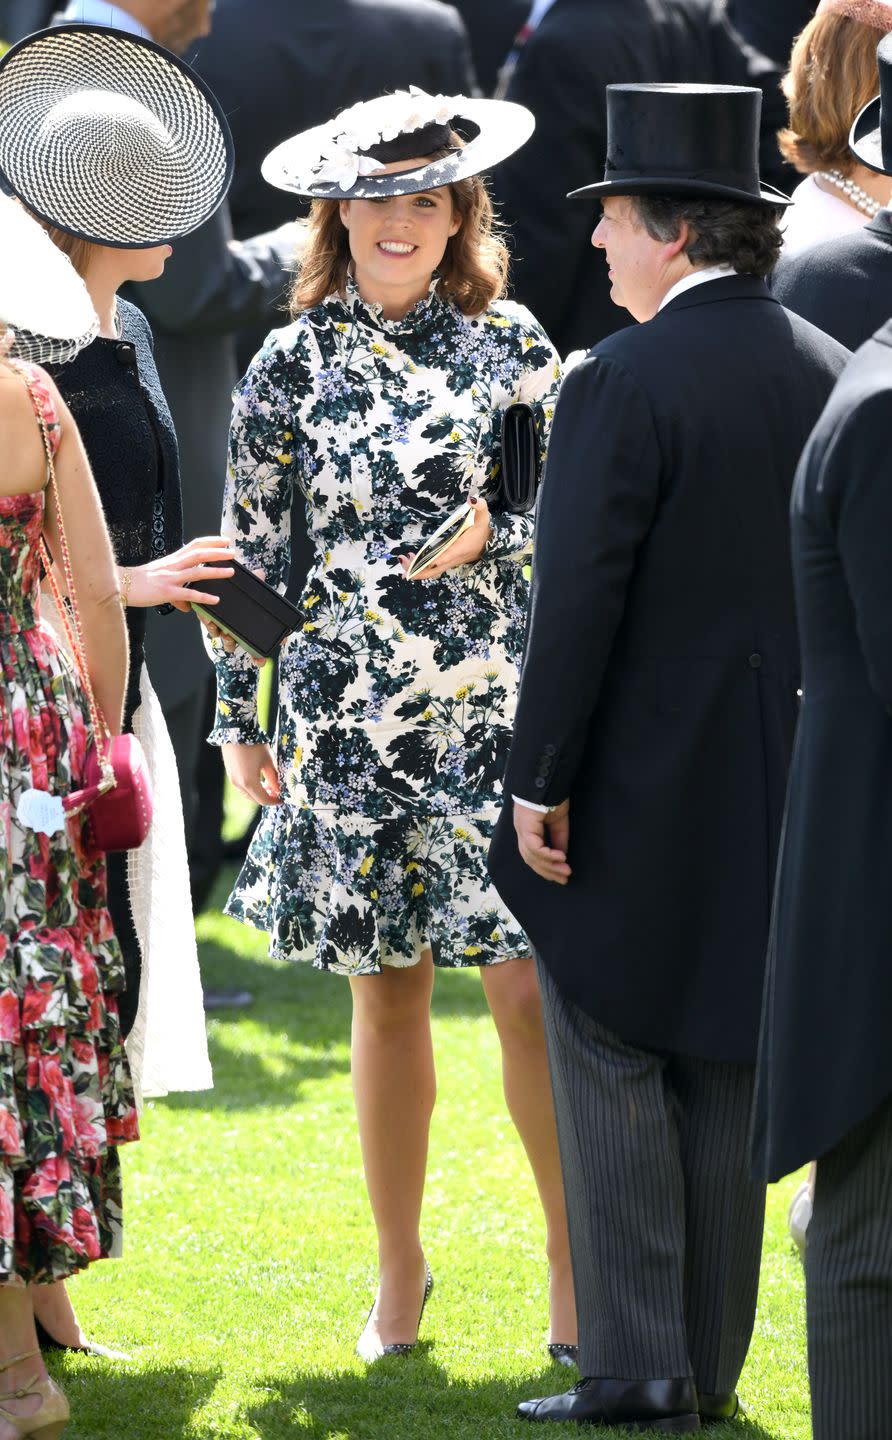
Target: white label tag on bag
x=39 y=811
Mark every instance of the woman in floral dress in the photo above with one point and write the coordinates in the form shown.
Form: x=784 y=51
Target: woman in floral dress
x=66 y=1100
x=382 y=404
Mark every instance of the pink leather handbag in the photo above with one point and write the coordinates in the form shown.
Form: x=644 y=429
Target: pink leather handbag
x=119 y=813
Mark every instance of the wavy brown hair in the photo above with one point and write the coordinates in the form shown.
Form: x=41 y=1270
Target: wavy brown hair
x=832 y=76
x=473 y=271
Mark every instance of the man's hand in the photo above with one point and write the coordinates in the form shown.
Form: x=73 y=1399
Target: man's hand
x=543 y=840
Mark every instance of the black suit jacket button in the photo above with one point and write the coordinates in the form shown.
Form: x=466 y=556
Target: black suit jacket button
x=550 y=749
x=755 y=660
x=125 y=352
x=539 y=783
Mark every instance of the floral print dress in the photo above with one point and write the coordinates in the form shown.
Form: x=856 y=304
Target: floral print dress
x=66 y=1101
x=396 y=697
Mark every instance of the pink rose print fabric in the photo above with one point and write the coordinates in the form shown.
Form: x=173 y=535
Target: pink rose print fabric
x=66 y=1100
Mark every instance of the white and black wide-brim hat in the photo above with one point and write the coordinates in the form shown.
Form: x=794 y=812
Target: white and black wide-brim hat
x=697 y=140
x=339 y=160
x=870 y=140
x=110 y=137
x=46 y=314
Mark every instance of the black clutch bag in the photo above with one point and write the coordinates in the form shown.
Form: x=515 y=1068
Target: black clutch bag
x=249 y=610
x=519 y=477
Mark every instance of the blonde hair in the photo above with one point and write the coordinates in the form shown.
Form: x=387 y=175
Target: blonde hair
x=473 y=271
x=832 y=76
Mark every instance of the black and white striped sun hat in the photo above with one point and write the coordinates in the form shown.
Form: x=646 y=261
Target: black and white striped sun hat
x=111 y=137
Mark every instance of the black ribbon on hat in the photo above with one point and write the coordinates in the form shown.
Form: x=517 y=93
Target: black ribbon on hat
x=428 y=140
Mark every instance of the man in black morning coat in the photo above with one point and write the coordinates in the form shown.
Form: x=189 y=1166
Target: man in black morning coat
x=825 y=1060
x=653 y=734
x=579 y=47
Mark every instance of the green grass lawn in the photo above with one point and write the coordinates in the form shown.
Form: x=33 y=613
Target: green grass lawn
x=249 y=1264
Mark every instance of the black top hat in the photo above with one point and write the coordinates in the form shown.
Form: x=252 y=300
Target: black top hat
x=870 y=139
x=684 y=140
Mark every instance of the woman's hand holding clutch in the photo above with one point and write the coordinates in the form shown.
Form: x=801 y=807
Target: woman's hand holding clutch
x=467 y=546
x=163 y=581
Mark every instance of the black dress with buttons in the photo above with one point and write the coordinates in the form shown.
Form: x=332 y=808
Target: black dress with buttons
x=113 y=392
x=659 y=690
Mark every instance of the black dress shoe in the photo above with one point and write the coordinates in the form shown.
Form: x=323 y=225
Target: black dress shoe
x=565 y=1355
x=724 y=1406
x=667 y=1406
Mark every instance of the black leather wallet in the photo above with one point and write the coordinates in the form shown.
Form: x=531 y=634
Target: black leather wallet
x=249 y=610
x=521 y=460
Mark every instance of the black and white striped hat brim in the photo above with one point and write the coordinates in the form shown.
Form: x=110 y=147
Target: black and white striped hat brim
x=110 y=137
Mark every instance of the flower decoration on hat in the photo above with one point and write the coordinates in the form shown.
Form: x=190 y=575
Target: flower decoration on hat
x=371 y=123
x=346 y=158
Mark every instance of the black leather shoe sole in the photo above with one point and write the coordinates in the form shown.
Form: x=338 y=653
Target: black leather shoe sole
x=670 y=1425
x=666 y=1407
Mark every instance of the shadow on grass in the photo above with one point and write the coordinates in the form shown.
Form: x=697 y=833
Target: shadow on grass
x=419 y=1401
x=139 y=1405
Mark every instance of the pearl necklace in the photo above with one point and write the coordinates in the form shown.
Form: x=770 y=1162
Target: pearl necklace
x=859 y=198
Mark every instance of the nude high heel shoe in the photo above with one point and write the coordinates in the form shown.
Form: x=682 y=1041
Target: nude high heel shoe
x=53 y=1414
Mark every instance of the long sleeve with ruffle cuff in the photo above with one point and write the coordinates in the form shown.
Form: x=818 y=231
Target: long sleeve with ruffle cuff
x=263 y=458
x=236 y=721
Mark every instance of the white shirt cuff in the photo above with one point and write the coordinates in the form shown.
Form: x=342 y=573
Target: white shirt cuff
x=530 y=805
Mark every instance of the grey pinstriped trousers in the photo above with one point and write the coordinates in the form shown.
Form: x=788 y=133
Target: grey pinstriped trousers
x=848 y=1286
x=665 y=1221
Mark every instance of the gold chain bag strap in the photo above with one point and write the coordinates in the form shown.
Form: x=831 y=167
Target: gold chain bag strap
x=117 y=791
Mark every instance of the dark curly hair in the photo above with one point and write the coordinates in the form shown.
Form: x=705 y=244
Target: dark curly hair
x=723 y=232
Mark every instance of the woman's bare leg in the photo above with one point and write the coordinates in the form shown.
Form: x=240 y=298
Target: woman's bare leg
x=394 y=1087
x=17 y=1337
x=53 y=1308
x=512 y=993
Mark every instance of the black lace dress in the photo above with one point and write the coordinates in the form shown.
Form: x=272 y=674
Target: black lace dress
x=114 y=393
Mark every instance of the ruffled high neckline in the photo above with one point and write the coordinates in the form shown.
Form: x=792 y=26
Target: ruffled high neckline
x=421 y=312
